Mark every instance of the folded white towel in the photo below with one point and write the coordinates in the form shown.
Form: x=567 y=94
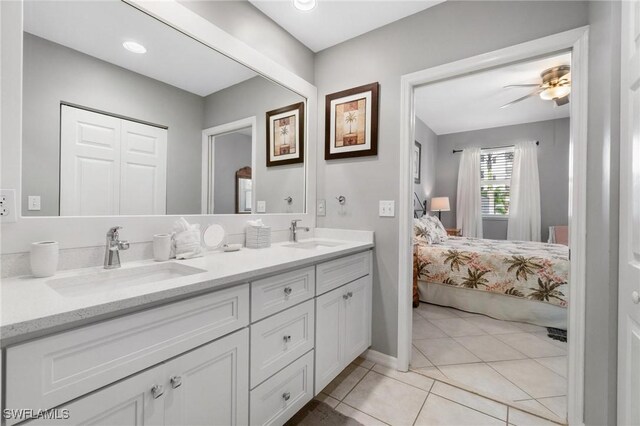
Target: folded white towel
x=186 y=239
x=257 y=223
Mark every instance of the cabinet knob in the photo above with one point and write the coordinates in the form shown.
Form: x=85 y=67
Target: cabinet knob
x=286 y=338
x=176 y=381
x=287 y=291
x=157 y=391
x=350 y=294
x=635 y=296
x=286 y=396
x=345 y=296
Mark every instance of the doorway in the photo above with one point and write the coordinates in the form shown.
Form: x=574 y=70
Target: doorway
x=575 y=42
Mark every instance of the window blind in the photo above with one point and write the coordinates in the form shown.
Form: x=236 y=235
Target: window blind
x=496 y=166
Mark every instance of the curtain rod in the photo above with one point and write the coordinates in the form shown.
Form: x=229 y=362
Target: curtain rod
x=455 y=151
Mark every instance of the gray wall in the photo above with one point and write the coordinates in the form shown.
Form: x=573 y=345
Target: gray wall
x=254 y=97
x=54 y=73
x=245 y=22
x=442 y=34
x=553 y=166
x=231 y=152
x=603 y=199
x=429 y=141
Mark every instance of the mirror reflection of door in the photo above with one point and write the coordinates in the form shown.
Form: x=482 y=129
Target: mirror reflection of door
x=243 y=190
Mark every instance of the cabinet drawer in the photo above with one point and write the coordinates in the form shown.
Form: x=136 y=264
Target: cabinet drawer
x=333 y=274
x=47 y=372
x=275 y=294
x=279 y=398
x=280 y=339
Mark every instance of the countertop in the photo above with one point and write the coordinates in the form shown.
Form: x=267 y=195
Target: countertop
x=32 y=308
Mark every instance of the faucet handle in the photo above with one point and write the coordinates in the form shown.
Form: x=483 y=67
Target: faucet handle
x=113 y=232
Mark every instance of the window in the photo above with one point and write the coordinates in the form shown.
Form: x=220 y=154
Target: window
x=496 y=165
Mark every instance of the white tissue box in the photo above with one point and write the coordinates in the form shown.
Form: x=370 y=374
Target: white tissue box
x=258 y=236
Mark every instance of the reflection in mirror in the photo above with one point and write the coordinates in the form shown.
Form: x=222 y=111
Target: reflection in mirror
x=243 y=190
x=117 y=116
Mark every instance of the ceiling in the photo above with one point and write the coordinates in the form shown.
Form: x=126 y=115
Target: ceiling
x=334 y=21
x=98 y=28
x=473 y=102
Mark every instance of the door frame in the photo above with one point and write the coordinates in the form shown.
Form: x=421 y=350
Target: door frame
x=208 y=140
x=576 y=41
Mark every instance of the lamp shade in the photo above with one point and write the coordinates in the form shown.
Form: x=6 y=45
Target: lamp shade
x=440 y=204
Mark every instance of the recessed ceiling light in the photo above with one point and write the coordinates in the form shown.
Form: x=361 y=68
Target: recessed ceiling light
x=304 y=5
x=134 y=47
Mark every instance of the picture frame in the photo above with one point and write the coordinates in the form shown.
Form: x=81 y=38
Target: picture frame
x=417 y=161
x=351 y=122
x=285 y=135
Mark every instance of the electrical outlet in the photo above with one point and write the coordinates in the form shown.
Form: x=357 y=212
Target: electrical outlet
x=387 y=208
x=322 y=208
x=261 y=206
x=8 y=205
x=33 y=202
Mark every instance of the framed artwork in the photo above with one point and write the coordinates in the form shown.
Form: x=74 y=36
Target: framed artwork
x=285 y=135
x=351 y=123
x=417 y=158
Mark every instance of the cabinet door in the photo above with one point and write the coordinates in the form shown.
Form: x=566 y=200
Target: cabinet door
x=329 y=337
x=210 y=385
x=129 y=402
x=357 y=324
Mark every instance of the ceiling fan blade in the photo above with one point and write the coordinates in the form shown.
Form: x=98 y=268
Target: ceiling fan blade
x=534 y=93
x=521 y=85
x=562 y=101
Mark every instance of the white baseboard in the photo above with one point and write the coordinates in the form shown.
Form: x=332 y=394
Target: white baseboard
x=380 y=358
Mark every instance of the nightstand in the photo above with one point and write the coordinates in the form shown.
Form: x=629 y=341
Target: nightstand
x=454 y=232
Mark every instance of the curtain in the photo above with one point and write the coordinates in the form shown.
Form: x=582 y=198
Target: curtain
x=524 y=208
x=469 y=203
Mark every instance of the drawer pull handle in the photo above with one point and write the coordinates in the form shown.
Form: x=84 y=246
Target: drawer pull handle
x=286 y=396
x=286 y=338
x=176 y=381
x=157 y=391
x=287 y=291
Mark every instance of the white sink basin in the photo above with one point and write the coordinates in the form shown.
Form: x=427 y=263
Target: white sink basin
x=313 y=244
x=116 y=279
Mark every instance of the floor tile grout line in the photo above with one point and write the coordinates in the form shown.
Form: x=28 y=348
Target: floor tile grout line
x=374 y=417
x=423 y=403
x=510 y=381
x=357 y=383
x=404 y=383
x=467 y=406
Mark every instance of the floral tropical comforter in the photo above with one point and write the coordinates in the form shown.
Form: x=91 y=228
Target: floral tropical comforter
x=535 y=271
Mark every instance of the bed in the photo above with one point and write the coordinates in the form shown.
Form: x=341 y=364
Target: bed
x=509 y=280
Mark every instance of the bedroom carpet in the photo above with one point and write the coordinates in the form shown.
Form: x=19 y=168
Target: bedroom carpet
x=511 y=361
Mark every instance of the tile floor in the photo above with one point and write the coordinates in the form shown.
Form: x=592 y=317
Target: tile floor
x=376 y=395
x=506 y=360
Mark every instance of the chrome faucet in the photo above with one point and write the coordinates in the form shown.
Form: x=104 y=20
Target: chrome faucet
x=294 y=229
x=114 y=245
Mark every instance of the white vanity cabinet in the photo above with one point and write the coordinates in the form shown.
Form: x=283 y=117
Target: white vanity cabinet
x=206 y=386
x=343 y=328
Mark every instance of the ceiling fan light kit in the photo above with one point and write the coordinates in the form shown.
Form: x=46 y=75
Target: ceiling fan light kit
x=555 y=86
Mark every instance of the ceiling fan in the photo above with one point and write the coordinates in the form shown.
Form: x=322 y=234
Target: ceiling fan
x=555 y=86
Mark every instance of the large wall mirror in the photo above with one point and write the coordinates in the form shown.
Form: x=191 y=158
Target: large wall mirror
x=124 y=115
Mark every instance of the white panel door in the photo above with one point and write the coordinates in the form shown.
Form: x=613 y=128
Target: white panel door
x=210 y=385
x=629 y=274
x=143 y=185
x=89 y=163
x=357 y=318
x=329 y=336
x=126 y=403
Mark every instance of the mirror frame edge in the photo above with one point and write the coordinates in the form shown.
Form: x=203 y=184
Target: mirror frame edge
x=88 y=231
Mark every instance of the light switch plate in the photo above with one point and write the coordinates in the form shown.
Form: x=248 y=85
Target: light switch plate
x=387 y=208
x=261 y=206
x=322 y=208
x=8 y=205
x=33 y=202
